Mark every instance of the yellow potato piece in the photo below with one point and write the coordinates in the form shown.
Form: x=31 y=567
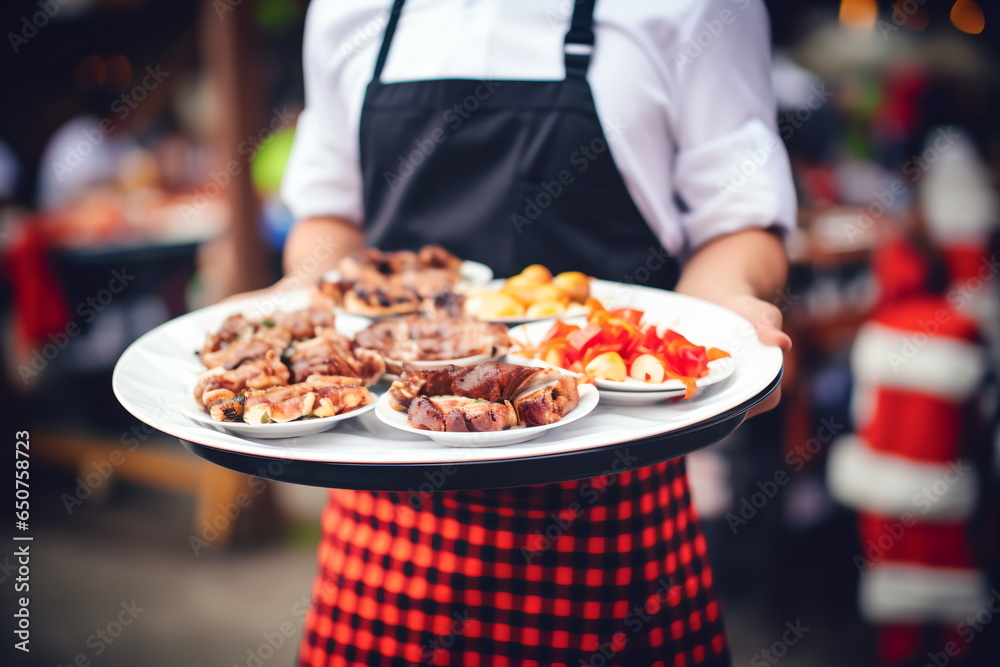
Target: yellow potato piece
x=607 y=366
x=500 y=304
x=546 y=309
x=575 y=284
x=537 y=273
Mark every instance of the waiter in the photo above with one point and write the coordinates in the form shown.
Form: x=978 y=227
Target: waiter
x=603 y=139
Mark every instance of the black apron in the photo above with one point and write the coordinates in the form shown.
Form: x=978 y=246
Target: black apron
x=508 y=173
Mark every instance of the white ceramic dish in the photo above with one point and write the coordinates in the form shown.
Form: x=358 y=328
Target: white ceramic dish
x=186 y=367
x=154 y=380
x=292 y=429
x=397 y=419
x=718 y=370
x=469 y=273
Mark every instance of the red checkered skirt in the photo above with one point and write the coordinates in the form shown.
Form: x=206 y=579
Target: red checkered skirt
x=601 y=572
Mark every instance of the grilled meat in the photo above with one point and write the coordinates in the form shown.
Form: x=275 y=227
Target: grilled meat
x=305 y=322
x=239 y=340
x=538 y=396
x=418 y=339
x=318 y=396
x=456 y=413
x=548 y=403
x=361 y=264
x=266 y=371
x=329 y=353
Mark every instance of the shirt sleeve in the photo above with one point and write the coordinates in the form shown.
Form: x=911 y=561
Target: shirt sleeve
x=323 y=174
x=732 y=168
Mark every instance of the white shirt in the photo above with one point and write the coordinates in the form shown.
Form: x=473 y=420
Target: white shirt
x=682 y=88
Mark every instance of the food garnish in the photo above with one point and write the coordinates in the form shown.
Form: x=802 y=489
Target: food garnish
x=617 y=344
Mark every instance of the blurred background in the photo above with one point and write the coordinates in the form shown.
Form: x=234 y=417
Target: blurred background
x=141 y=147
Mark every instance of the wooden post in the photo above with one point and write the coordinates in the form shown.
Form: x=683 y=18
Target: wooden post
x=236 y=261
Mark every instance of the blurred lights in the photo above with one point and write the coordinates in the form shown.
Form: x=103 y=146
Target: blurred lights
x=119 y=74
x=968 y=17
x=910 y=14
x=89 y=75
x=859 y=14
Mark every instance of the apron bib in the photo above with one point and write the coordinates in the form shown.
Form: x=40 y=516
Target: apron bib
x=507 y=173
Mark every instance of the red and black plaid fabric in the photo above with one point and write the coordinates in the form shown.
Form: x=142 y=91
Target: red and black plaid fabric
x=607 y=571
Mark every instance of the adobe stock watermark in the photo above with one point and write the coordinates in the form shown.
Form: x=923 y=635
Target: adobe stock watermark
x=435 y=480
x=902 y=11
x=967 y=629
x=709 y=31
x=750 y=506
x=580 y=159
x=914 y=168
x=635 y=621
x=366 y=35
x=246 y=150
x=451 y=121
x=924 y=500
x=228 y=513
x=122 y=108
x=779 y=649
x=657 y=258
x=87 y=310
x=957 y=296
x=590 y=491
x=31 y=24
x=102 y=638
x=437 y=649
x=223 y=7
x=90 y=481
x=285 y=633
x=751 y=161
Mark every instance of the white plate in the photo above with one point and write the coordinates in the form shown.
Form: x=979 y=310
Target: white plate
x=185 y=367
x=718 y=370
x=610 y=397
x=154 y=380
x=397 y=419
x=475 y=273
x=292 y=429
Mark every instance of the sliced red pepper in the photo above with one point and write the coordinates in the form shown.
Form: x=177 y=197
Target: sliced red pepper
x=688 y=360
x=715 y=353
x=560 y=329
x=630 y=315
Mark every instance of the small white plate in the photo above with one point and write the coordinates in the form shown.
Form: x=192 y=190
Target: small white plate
x=610 y=397
x=469 y=273
x=398 y=419
x=718 y=370
x=292 y=429
x=475 y=273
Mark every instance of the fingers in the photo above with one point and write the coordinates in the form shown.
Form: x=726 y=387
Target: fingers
x=776 y=337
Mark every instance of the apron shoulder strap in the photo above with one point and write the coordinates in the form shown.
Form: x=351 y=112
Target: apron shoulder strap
x=390 y=30
x=579 y=42
x=578 y=45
